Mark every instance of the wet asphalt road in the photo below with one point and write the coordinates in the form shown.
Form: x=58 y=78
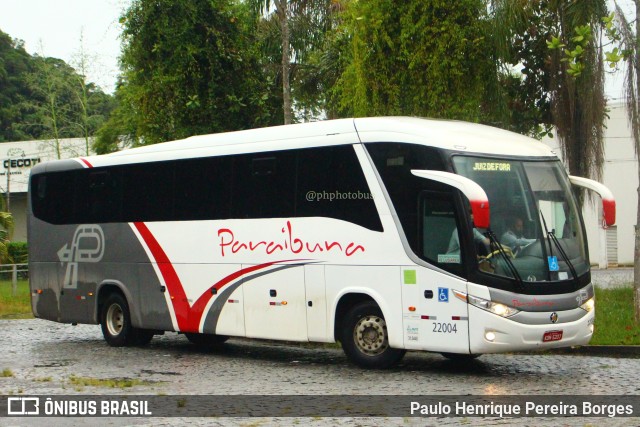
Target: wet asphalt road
x=43 y=357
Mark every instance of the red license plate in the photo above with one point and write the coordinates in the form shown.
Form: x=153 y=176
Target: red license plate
x=552 y=336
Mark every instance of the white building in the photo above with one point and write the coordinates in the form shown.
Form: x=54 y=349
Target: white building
x=17 y=159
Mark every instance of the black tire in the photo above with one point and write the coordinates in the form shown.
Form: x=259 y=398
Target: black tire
x=115 y=320
x=206 y=340
x=365 y=339
x=458 y=357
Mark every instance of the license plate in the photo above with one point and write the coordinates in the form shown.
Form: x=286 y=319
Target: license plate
x=552 y=336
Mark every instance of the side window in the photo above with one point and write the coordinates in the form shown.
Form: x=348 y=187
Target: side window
x=147 y=192
x=52 y=197
x=98 y=197
x=419 y=203
x=439 y=236
x=317 y=182
x=264 y=185
x=203 y=188
x=331 y=184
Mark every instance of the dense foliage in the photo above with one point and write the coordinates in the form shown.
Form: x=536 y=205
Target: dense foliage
x=424 y=58
x=30 y=86
x=204 y=66
x=190 y=67
x=559 y=46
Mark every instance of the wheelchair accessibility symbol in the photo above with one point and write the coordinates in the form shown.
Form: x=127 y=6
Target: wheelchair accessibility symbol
x=553 y=263
x=443 y=294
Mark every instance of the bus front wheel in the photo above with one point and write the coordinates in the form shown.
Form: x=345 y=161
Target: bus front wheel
x=365 y=339
x=115 y=321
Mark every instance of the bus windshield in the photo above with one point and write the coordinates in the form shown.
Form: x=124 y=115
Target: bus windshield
x=534 y=219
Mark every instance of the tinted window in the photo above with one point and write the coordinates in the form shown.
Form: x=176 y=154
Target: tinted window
x=147 y=191
x=317 y=182
x=203 y=188
x=439 y=239
x=264 y=185
x=52 y=196
x=98 y=196
x=394 y=162
x=331 y=184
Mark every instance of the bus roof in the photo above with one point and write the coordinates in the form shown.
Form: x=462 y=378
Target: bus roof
x=451 y=135
x=447 y=134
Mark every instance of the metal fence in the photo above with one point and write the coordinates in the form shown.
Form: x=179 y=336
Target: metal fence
x=14 y=272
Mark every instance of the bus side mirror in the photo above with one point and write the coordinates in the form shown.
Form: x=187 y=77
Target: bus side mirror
x=608 y=201
x=476 y=195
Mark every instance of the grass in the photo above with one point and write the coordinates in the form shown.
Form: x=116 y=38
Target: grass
x=6 y=373
x=614 y=312
x=15 y=306
x=107 y=382
x=614 y=318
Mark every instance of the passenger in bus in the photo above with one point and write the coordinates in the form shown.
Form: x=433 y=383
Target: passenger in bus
x=514 y=236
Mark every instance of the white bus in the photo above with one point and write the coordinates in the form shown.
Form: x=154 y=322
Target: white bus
x=386 y=234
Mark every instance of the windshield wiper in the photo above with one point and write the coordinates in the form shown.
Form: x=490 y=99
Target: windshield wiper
x=551 y=237
x=493 y=242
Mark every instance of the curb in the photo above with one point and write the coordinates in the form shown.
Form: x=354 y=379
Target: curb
x=625 y=351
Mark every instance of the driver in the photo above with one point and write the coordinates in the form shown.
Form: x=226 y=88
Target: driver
x=514 y=236
x=454 y=241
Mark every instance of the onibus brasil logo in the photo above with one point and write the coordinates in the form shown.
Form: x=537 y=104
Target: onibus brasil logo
x=87 y=246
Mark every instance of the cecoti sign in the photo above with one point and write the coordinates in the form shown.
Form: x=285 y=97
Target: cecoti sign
x=21 y=163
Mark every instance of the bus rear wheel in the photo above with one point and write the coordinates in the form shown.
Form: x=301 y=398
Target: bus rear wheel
x=115 y=320
x=365 y=339
x=206 y=340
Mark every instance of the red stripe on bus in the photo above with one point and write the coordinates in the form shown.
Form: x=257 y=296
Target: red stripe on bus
x=86 y=162
x=188 y=317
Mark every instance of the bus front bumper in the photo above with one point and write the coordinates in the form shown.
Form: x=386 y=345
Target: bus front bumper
x=490 y=333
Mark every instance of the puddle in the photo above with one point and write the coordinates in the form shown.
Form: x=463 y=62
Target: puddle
x=56 y=364
x=152 y=372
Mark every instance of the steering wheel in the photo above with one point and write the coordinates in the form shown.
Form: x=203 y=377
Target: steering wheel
x=506 y=250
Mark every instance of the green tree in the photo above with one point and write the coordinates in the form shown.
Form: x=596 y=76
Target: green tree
x=88 y=119
x=15 y=95
x=191 y=67
x=121 y=129
x=626 y=35
x=426 y=58
x=50 y=83
x=45 y=98
x=315 y=68
x=6 y=231
x=293 y=34
x=282 y=13
x=567 y=81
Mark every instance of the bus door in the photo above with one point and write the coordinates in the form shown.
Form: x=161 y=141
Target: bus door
x=275 y=304
x=433 y=318
x=316 y=301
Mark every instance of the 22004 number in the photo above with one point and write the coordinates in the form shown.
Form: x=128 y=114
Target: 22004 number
x=445 y=328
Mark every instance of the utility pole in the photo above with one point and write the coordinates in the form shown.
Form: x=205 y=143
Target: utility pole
x=9 y=186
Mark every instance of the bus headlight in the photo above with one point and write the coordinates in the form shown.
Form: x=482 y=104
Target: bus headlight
x=589 y=305
x=494 y=307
